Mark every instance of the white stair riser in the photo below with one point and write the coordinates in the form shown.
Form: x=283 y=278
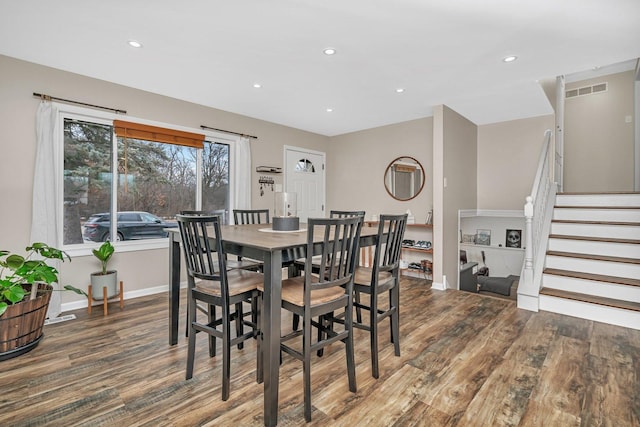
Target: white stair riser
x=618 y=269
x=595 y=312
x=611 y=215
x=627 y=250
x=598 y=200
x=591 y=287
x=596 y=230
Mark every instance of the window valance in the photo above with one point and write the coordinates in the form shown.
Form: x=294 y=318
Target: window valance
x=158 y=134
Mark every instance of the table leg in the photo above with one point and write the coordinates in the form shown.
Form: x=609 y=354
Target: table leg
x=174 y=288
x=272 y=301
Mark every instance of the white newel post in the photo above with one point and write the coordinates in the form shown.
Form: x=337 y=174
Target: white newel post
x=527 y=294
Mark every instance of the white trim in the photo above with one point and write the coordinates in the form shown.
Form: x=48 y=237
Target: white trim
x=83 y=303
x=528 y=302
x=106 y=118
x=467 y=213
x=288 y=148
x=438 y=286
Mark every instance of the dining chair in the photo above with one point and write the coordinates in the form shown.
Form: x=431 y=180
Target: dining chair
x=232 y=264
x=251 y=216
x=299 y=265
x=212 y=284
x=382 y=276
x=319 y=295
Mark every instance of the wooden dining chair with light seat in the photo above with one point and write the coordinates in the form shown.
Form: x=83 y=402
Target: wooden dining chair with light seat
x=213 y=285
x=299 y=265
x=312 y=296
x=232 y=264
x=382 y=276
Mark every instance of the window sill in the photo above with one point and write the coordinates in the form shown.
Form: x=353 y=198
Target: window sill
x=128 y=246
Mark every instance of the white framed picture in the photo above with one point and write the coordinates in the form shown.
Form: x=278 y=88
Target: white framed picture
x=483 y=237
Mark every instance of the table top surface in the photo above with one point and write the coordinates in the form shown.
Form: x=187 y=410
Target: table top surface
x=250 y=235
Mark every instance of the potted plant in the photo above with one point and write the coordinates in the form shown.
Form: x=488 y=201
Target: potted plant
x=104 y=278
x=25 y=291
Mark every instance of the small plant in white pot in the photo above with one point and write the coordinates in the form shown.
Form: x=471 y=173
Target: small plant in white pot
x=105 y=278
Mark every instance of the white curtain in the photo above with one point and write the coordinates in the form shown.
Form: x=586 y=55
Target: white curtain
x=242 y=174
x=46 y=191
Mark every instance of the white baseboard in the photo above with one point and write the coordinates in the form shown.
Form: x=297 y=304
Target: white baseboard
x=75 y=305
x=438 y=286
x=528 y=302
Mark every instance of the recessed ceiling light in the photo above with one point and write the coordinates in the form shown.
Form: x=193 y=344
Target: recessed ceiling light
x=329 y=51
x=509 y=58
x=329 y=110
x=399 y=90
x=257 y=85
x=134 y=43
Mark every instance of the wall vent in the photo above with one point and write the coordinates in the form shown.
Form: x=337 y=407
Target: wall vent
x=587 y=90
x=59 y=319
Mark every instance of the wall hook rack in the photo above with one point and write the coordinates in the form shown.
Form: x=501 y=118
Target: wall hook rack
x=265 y=181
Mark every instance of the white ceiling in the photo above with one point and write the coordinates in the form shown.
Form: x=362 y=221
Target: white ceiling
x=211 y=52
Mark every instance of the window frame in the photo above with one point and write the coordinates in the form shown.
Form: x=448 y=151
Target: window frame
x=107 y=118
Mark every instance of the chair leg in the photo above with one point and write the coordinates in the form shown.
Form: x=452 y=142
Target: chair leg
x=358 y=309
x=259 y=356
x=226 y=354
x=212 y=339
x=186 y=326
x=191 y=349
x=254 y=314
x=322 y=322
x=296 y=322
x=350 y=350
x=373 y=332
x=394 y=298
x=239 y=324
x=306 y=351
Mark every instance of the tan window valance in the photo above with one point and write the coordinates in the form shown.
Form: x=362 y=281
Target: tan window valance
x=158 y=134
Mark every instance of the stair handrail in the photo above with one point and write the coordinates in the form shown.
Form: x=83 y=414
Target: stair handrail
x=538 y=210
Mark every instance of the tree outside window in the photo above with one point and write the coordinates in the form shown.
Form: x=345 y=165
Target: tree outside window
x=152 y=177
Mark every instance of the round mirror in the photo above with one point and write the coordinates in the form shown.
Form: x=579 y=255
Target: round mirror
x=404 y=178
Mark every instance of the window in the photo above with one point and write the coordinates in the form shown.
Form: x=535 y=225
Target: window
x=305 y=165
x=146 y=182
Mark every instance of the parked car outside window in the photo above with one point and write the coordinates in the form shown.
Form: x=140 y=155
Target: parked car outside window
x=131 y=226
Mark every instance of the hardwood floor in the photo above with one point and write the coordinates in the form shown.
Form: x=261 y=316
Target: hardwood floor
x=467 y=360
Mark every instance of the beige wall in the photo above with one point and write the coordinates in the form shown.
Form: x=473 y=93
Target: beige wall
x=356 y=163
x=599 y=143
x=459 y=170
x=508 y=155
x=19 y=79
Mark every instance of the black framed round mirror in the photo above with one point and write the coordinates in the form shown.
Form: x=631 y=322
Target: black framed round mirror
x=404 y=178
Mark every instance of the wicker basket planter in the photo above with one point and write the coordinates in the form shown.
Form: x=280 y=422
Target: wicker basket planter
x=21 y=325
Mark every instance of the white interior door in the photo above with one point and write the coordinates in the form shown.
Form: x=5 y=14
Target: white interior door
x=304 y=175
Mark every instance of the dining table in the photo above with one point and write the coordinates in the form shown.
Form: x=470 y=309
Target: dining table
x=275 y=249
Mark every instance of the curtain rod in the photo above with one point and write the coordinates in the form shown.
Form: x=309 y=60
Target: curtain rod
x=49 y=98
x=228 y=131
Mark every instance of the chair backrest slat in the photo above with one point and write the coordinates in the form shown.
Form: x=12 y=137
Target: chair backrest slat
x=251 y=216
x=345 y=214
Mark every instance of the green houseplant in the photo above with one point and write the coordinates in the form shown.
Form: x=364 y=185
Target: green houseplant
x=104 y=278
x=25 y=291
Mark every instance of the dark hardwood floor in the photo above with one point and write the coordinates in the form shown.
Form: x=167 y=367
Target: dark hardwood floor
x=467 y=360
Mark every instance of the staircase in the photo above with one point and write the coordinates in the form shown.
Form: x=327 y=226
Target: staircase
x=592 y=265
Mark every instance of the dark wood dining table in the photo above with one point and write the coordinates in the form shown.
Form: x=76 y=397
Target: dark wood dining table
x=256 y=241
